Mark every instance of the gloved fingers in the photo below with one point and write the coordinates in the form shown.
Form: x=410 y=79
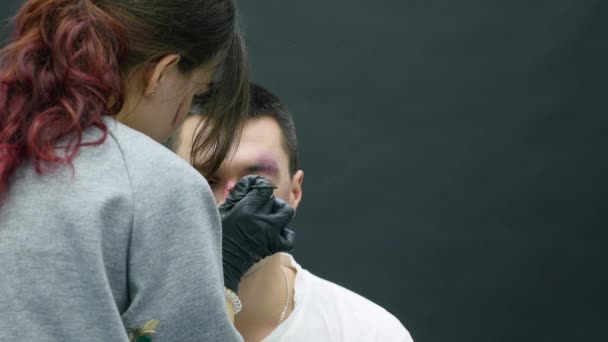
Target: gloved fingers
x=284 y=238
x=262 y=183
x=284 y=241
x=282 y=214
x=253 y=182
x=244 y=190
x=239 y=191
x=260 y=199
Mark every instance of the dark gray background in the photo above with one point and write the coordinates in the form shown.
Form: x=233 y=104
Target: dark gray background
x=454 y=157
x=454 y=154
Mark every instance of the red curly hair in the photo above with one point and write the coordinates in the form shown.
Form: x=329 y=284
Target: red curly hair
x=59 y=75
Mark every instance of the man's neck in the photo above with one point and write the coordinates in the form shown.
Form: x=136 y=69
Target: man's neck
x=263 y=297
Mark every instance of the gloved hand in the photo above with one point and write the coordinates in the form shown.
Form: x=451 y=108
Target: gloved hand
x=254 y=226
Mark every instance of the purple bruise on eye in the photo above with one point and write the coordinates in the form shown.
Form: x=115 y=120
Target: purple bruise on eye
x=265 y=164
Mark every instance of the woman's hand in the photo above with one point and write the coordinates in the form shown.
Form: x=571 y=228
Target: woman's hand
x=254 y=225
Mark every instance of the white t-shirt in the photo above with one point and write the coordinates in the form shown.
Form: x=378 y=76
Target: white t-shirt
x=328 y=312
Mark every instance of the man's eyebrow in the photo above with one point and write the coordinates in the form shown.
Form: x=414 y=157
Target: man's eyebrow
x=266 y=164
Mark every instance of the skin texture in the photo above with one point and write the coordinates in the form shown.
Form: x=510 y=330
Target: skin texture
x=159 y=96
x=260 y=152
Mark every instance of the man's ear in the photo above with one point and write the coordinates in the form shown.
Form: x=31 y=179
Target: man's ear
x=157 y=72
x=296 y=189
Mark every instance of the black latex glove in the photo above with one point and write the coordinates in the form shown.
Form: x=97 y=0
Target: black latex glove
x=254 y=226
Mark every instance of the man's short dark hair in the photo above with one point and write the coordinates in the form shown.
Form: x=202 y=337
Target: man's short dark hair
x=266 y=104
x=263 y=104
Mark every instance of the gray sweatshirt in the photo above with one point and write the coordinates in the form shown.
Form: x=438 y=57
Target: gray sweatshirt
x=128 y=241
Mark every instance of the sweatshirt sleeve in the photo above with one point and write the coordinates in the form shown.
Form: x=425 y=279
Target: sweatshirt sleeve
x=174 y=266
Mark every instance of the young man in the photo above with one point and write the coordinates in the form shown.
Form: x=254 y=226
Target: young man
x=281 y=300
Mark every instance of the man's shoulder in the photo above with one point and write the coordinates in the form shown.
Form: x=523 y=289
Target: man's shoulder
x=358 y=315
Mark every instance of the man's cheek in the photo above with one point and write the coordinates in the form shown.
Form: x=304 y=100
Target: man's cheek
x=282 y=192
x=218 y=194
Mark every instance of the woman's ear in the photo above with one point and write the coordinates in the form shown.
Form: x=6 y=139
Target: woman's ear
x=158 y=72
x=296 y=189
